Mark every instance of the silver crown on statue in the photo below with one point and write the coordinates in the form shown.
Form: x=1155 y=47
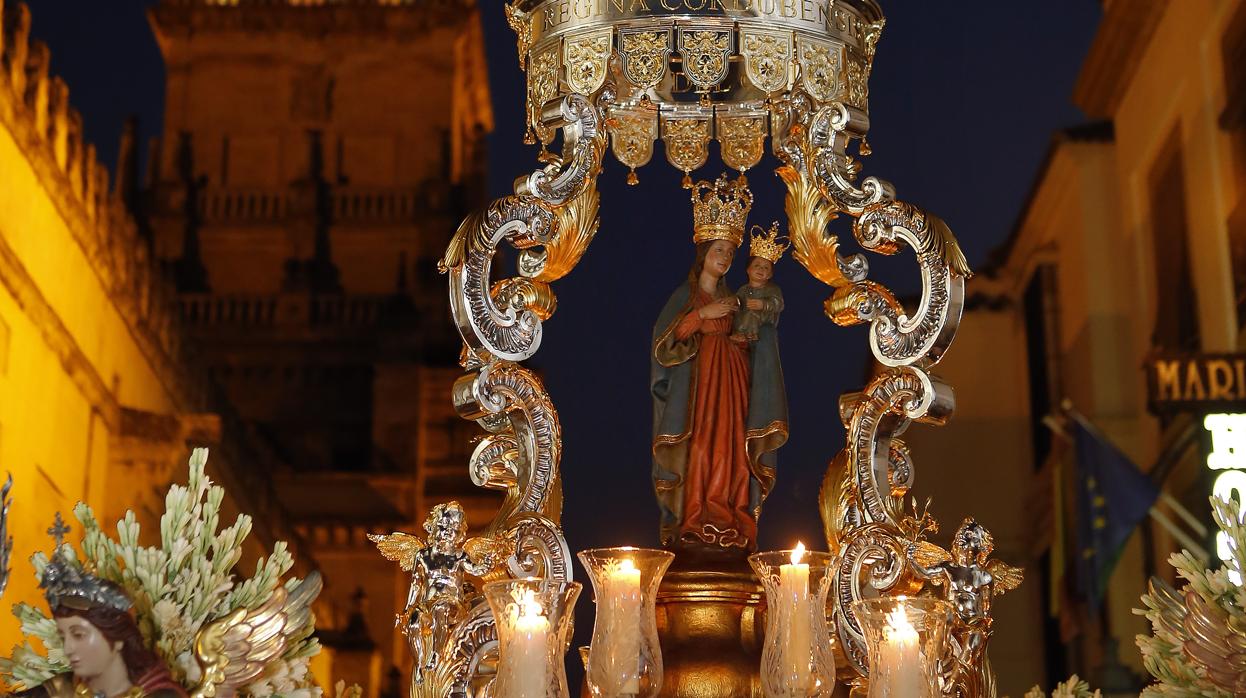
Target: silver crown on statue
x=66 y=584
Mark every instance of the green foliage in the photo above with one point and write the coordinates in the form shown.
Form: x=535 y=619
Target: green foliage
x=1073 y=688
x=177 y=588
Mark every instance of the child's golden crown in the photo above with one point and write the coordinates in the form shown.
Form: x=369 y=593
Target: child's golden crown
x=766 y=244
x=719 y=210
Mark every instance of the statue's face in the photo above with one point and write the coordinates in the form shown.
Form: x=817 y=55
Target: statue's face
x=718 y=257
x=88 y=652
x=760 y=271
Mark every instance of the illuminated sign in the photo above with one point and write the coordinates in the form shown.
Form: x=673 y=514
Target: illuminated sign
x=1227 y=460
x=1197 y=383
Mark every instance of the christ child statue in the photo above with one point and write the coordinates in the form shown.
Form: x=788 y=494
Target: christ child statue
x=761 y=301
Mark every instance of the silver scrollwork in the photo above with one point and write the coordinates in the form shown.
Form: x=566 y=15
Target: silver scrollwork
x=505 y=387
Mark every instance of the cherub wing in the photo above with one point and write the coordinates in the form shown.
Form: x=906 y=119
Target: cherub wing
x=1006 y=576
x=1214 y=645
x=927 y=555
x=398 y=547
x=489 y=553
x=234 y=650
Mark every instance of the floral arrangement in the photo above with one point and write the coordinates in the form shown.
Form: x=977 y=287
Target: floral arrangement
x=1196 y=646
x=177 y=588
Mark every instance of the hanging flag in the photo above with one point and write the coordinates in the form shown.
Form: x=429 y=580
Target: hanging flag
x=1113 y=497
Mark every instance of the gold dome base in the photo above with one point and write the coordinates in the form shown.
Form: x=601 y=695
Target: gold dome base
x=710 y=613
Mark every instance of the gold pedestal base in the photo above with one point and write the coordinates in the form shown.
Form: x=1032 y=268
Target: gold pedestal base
x=711 y=628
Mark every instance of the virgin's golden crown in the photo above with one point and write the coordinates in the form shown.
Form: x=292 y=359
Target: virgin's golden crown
x=767 y=245
x=720 y=209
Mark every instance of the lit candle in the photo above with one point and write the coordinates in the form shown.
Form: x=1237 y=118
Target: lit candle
x=900 y=657
x=524 y=664
x=623 y=649
x=794 y=609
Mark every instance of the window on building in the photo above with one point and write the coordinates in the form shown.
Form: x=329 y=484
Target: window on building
x=1039 y=307
x=1176 y=307
x=1233 y=119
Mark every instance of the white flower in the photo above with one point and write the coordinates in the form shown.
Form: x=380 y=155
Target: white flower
x=260 y=689
x=190 y=667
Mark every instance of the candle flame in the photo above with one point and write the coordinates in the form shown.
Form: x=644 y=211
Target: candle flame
x=626 y=565
x=798 y=553
x=899 y=629
x=529 y=607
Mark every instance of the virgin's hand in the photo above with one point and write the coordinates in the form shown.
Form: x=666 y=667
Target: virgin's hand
x=754 y=304
x=719 y=308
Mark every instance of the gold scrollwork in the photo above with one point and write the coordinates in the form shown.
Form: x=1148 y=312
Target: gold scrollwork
x=687 y=142
x=542 y=87
x=808 y=213
x=742 y=139
x=578 y=222
x=820 y=64
x=587 y=58
x=706 y=54
x=767 y=58
x=645 y=54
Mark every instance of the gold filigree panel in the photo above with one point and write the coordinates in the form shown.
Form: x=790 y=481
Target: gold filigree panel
x=587 y=58
x=542 y=86
x=706 y=53
x=632 y=135
x=645 y=54
x=820 y=64
x=687 y=141
x=857 y=93
x=767 y=58
x=742 y=139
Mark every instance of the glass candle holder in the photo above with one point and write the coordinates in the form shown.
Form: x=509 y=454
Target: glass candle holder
x=905 y=638
x=533 y=618
x=625 y=659
x=797 y=661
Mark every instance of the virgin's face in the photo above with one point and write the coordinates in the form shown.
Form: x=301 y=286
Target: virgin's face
x=718 y=257
x=89 y=653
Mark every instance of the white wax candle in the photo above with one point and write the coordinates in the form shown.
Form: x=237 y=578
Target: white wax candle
x=794 y=609
x=900 y=658
x=524 y=664
x=624 y=645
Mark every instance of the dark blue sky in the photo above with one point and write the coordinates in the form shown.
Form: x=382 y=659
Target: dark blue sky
x=964 y=98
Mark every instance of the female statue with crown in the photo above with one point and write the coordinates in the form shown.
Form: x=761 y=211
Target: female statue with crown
x=167 y=621
x=717 y=420
x=99 y=637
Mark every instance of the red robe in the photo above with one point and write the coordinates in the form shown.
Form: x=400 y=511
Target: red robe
x=716 y=484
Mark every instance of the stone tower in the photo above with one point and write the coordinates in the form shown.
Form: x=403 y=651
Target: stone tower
x=316 y=158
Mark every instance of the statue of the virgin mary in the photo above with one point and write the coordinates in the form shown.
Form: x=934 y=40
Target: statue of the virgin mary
x=719 y=406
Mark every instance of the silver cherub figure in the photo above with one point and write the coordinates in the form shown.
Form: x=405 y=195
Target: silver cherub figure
x=437 y=599
x=970 y=580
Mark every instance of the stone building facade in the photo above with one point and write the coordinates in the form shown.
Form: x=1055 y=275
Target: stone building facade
x=269 y=290
x=1133 y=242
x=97 y=400
x=316 y=159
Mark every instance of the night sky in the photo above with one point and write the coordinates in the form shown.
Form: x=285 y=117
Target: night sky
x=964 y=99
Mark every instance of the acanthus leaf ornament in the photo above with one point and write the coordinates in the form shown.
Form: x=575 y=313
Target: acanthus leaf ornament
x=645 y=54
x=587 y=59
x=706 y=54
x=820 y=66
x=742 y=139
x=767 y=58
x=521 y=23
x=687 y=141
